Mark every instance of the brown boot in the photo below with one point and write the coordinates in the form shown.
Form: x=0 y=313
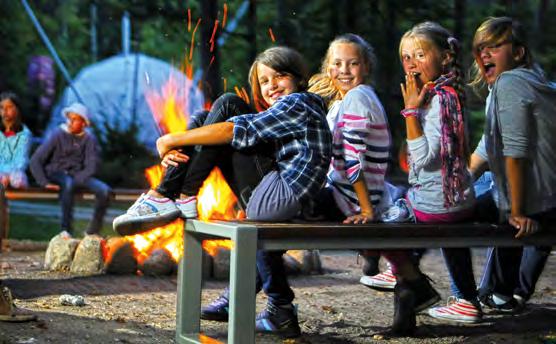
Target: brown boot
x=9 y=312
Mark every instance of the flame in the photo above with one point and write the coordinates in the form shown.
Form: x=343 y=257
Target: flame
x=211 y=246
x=169 y=107
x=215 y=200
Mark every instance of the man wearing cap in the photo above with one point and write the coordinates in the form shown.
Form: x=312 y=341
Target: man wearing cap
x=67 y=161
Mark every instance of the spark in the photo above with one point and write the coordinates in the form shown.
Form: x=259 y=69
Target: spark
x=213 y=34
x=193 y=39
x=225 y=16
x=271 y=34
x=189 y=20
x=225 y=84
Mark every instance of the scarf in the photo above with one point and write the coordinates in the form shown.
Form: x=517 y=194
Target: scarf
x=452 y=139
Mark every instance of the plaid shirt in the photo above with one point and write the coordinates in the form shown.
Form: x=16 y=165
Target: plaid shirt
x=297 y=126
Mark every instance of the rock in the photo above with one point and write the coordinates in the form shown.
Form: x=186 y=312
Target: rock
x=60 y=251
x=308 y=261
x=88 y=258
x=221 y=264
x=159 y=263
x=120 y=257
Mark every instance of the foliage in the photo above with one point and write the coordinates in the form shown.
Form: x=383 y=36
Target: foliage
x=160 y=29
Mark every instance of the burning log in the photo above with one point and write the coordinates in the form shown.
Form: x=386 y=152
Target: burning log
x=88 y=259
x=119 y=257
x=60 y=251
x=159 y=263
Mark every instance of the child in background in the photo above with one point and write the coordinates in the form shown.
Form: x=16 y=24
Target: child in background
x=438 y=176
x=519 y=148
x=67 y=161
x=15 y=143
x=274 y=160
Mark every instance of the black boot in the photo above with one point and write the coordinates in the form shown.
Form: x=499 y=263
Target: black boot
x=404 y=314
x=425 y=294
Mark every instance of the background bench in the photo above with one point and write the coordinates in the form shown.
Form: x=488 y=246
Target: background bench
x=248 y=236
x=33 y=193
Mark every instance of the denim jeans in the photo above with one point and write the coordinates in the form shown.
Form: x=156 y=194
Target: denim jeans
x=243 y=170
x=508 y=270
x=68 y=186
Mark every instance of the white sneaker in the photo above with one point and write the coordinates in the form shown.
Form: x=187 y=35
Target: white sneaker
x=146 y=213
x=400 y=211
x=385 y=281
x=458 y=310
x=188 y=207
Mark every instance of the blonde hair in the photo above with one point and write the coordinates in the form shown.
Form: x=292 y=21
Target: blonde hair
x=283 y=60
x=321 y=83
x=493 y=31
x=431 y=35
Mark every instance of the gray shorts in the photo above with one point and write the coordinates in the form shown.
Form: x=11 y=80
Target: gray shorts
x=273 y=200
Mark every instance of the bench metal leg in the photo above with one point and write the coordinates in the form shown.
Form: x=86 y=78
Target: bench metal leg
x=241 y=328
x=189 y=290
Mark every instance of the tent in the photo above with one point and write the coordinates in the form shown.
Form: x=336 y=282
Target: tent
x=114 y=92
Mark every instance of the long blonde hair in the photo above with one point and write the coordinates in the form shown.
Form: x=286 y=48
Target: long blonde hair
x=323 y=85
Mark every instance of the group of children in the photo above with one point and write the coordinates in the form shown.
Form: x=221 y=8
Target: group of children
x=321 y=148
x=327 y=155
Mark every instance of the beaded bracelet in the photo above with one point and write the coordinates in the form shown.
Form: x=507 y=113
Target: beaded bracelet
x=413 y=112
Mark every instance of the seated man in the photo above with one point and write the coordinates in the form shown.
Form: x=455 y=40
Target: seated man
x=67 y=161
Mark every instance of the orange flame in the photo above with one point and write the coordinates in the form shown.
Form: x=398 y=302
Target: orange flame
x=169 y=107
x=211 y=246
x=215 y=200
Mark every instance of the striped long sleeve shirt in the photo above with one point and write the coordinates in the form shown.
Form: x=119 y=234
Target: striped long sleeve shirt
x=361 y=147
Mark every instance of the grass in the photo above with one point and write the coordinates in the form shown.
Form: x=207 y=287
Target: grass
x=43 y=228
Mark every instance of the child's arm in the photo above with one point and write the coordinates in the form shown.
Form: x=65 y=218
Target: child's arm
x=477 y=166
x=367 y=213
x=515 y=173
x=214 y=134
x=413 y=99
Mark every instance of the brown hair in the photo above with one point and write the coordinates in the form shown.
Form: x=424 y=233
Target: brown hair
x=322 y=85
x=281 y=59
x=497 y=30
x=17 y=126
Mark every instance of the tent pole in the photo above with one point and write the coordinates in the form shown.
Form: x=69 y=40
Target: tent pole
x=50 y=48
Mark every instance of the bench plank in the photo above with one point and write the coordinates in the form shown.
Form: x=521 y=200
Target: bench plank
x=284 y=236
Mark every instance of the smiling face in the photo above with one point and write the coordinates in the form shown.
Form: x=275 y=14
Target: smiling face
x=494 y=59
x=346 y=67
x=274 y=84
x=421 y=59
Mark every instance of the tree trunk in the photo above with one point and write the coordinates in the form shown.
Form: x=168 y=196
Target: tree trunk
x=210 y=60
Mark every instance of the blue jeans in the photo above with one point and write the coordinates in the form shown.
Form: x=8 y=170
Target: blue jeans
x=68 y=186
x=508 y=270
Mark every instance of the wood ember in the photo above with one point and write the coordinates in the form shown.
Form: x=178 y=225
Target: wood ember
x=159 y=263
x=119 y=257
x=60 y=251
x=88 y=259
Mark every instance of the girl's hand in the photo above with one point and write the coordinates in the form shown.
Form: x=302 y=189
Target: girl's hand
x=162 y=145
x=360 y=218
x=526 y=225
x=413 y=97
x=174 y=158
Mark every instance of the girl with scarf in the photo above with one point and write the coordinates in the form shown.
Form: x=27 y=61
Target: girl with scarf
x=438 y=177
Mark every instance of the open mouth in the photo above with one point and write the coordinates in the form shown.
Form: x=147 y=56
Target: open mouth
x=415 y=74
x=489 y=67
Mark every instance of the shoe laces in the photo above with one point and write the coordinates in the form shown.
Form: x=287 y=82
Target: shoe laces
x=221 y=301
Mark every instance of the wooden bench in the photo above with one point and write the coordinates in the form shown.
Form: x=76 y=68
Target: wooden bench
x=248 y=237
x=33 y=193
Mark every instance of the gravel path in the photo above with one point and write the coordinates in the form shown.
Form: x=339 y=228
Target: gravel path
x=333 y=307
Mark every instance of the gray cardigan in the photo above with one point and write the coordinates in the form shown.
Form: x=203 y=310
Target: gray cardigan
x=76 y=155
x=521 y=123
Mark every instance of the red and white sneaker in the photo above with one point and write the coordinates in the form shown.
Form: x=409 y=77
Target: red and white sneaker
x=459 y=310
x=385 y=281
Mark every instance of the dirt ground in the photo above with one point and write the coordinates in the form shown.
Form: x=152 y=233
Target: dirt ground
x=333 y=307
